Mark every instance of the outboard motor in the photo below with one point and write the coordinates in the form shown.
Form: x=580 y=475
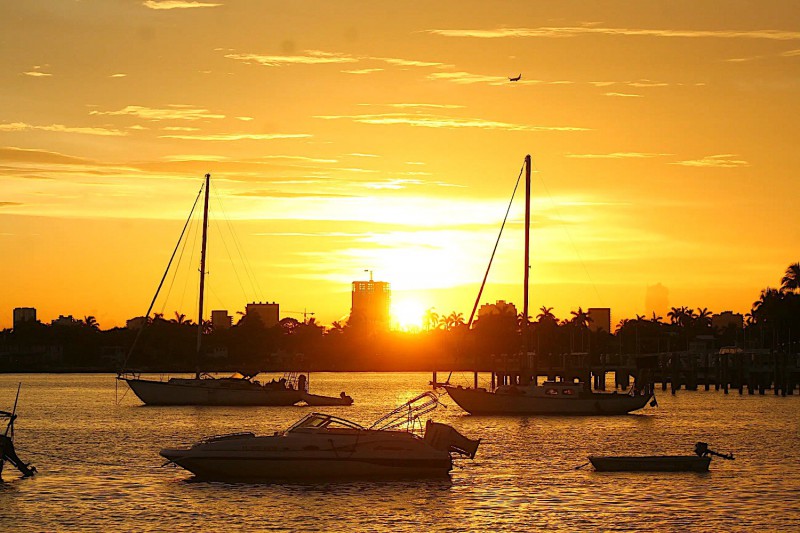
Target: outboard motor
x=445 y=438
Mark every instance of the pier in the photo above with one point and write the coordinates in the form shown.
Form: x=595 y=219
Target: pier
x=756 y=371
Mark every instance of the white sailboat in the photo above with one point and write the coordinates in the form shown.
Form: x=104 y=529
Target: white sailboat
x=238 y=389
x=551 y=397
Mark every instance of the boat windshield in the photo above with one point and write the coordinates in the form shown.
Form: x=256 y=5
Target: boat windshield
x=322 y=421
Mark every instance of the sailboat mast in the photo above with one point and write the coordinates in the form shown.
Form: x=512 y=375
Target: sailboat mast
x=525 y=312
x=202 y=279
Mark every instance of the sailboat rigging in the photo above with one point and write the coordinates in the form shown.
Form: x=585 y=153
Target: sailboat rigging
x=204 y=389
x=552 y=397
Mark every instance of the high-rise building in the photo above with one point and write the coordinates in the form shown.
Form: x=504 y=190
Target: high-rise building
x=371 y=301
x=268 y=313
x=600 y=319
x=24 y=314
x=220 y=319
x=727 y=319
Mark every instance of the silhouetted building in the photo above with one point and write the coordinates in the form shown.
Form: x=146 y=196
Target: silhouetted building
x=268 y=313
x=371 y=301
x=726 y=319
x=136 y=322
x=220 y=319
x=500 y=307
x=65 y=321
x=24 y=314
x=600 y=318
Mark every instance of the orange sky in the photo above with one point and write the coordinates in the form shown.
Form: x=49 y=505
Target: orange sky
x=350 y=136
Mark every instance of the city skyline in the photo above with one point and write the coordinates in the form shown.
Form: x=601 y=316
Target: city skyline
x=341 y=140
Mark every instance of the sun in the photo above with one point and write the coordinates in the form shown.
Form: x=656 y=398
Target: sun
x=407 y=315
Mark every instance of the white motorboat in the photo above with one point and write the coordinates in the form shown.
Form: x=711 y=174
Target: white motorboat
x=204 y=389
x=552 y=397
x=322 y=446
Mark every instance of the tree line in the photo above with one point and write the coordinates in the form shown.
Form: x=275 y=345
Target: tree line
x=445 y=342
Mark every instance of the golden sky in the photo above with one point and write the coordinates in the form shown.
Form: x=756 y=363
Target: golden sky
x=349 y=136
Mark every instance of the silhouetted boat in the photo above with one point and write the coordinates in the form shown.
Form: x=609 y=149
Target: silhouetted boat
x=322 y=446
x=552 y=397
x=7 y=451
x=658 y=463
x=238 y=389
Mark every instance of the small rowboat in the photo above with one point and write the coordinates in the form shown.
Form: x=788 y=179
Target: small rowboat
x=651 y=463
x=658 y=463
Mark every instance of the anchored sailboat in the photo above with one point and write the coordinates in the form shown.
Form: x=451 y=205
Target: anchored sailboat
x=239 y=389
x=551 y=397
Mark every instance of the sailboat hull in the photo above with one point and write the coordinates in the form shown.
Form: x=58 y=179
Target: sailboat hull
x=205 y=392
x=483 y=402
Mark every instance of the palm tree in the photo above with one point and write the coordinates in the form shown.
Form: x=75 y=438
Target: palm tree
x=675 y=315
x=655 y=319
x=430 y=319
x=454 y=320
x=546 y=314
x=91 y=322
x=180 y=318
x=791 y=280
x=703 y=317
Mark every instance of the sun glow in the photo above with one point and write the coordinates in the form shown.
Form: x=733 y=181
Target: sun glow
x=407 y=315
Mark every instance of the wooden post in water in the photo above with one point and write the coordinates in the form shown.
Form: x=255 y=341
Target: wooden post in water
x=724 y=371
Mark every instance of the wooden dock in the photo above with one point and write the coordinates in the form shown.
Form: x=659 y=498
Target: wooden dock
x=755 y=370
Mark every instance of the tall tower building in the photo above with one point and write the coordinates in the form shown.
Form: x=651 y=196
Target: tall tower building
x=371 y=301
x=268 y=313
x=23 y=315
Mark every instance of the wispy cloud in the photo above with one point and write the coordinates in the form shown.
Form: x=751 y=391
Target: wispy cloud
x=715 y=161
x=791 y=53
x=617 y=155
x=176 y=4
x=37 y=74
x=299 y=158
x=467 y=78
x=118 y=75
x=435 y=106
x=363 y=71
x=9 y=204
x=60 y=128
x=308 y=57
x=625 y=95
x=28 y=155
x=410 y=62
x=196 y=157
x=571 y=31
x=436 y=121
x=356 y=154
x=171 y=112
x=238 y=136
x=286 y=194
x=179 y=128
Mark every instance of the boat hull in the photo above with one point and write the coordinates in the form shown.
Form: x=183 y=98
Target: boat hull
x=153 y=392
x=656 y=463
x=483 y=402
x=305 y=466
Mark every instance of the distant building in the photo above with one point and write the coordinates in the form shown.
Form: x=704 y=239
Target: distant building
x=500 y=307
x=268 y=313
x=220 y=319
x=727 y=319
x=136 y=323
x=24 y=314
x=600 y=319
x=65 y=321
x=371 y=301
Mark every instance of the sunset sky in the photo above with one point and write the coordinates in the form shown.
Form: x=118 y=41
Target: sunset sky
x=347 y=136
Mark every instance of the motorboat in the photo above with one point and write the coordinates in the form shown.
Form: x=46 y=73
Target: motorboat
x=527 y=396
x=205 y=389
x=698 y=462
x=323 y=446
x=548 y=398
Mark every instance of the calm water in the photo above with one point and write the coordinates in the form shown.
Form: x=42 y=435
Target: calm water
x=99 y=467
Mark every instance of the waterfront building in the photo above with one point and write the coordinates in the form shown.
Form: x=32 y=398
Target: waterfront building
x=727 y=319
x=371 y=301
x=220 y=319
x=136 y=323
x=23 y=315
x=500 y=307
x=268 y=313
x=65 y=321
x=600 y=319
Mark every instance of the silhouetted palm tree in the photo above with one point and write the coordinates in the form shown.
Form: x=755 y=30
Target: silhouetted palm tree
x=703 y=319
x=546 y=314
x=180 y=318
x=454 y=320
x=430 y=319
x=791 y=280
x=91 y=322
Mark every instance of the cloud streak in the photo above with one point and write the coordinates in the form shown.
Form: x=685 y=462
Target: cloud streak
x=617 y=155
x=238 y=136
x=715 y=161
x=437 y=121
x=171 y=112
x=60 y=128
x=176 y=4
x=572 y=31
